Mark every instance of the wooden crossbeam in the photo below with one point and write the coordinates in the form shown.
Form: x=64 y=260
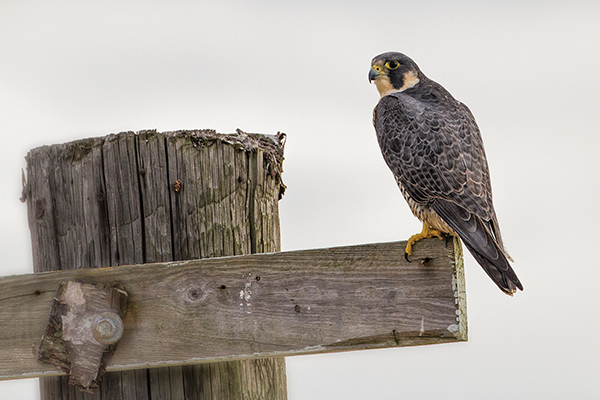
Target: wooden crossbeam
x=262 y=305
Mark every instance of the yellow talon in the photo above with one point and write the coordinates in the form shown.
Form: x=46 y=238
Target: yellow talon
x=426 y=233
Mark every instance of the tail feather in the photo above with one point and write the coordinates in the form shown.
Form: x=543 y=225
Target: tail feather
x=504 y=277
x=482 y=244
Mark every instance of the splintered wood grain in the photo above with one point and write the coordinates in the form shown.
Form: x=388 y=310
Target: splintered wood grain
x=289 y=303
x=114 y=200
x=155 y=197
x=123 y=199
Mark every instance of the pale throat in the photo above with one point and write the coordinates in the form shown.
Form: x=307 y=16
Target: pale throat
x=385 y=87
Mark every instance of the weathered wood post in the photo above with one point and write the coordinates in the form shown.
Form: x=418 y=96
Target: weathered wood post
x=149 y=197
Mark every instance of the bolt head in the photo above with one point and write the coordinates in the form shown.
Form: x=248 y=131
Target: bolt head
x=107 y=328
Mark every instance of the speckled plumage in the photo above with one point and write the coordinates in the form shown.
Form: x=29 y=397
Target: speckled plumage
x=433 y=146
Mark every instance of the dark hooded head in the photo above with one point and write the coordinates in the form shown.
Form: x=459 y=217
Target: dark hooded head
x=394 y=72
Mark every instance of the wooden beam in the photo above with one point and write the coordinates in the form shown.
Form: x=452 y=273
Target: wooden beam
x=263 y=305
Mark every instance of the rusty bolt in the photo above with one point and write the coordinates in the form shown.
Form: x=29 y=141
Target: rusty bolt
x=107 y=328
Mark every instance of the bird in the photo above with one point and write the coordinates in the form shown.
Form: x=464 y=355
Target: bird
x=433 y=146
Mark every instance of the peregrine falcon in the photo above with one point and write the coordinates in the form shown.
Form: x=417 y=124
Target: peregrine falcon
x=433 y=146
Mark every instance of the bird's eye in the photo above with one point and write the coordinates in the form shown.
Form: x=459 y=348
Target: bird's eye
x=392 y=64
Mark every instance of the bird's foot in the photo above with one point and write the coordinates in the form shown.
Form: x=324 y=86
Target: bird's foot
x=426 y=233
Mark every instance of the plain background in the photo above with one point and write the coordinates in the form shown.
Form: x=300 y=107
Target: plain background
x=527 y=69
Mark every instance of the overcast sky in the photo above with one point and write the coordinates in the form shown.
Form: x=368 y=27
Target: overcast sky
x=527 y=69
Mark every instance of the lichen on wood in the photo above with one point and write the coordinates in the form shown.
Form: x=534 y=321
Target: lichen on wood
x=271 y=145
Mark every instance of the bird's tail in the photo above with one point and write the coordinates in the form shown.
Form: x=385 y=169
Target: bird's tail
x=499 y=270
x=477 y=235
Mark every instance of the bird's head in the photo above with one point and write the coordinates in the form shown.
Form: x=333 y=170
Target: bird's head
x=394 y=72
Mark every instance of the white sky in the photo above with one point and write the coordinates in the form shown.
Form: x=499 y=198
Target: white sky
x=527 y=69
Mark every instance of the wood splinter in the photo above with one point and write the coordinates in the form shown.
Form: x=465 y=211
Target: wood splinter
x=84 y=327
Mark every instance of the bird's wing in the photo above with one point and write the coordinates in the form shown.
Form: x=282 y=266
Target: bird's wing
x=435 y=153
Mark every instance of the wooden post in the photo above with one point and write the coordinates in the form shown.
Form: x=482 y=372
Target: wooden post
x=150 y=197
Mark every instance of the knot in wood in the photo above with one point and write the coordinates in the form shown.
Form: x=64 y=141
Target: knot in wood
x=195 y=294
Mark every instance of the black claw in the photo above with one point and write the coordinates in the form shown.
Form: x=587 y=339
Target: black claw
x=447 y=237
x=406 y=256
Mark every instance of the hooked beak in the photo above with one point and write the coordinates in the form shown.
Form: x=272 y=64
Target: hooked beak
x=374 y=73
